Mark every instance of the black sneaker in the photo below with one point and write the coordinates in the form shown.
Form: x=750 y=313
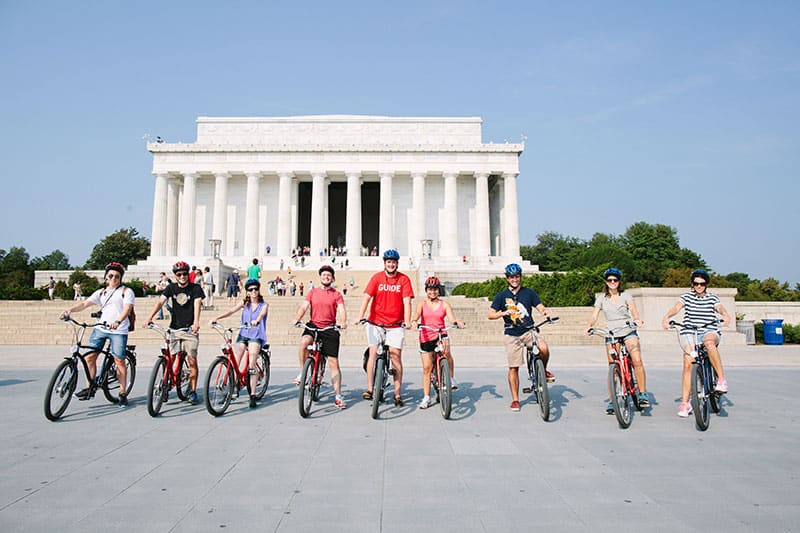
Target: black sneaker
x=193 y=398
x=123 y=400
x=82 y=395
x=398 y=401
x=252 y=402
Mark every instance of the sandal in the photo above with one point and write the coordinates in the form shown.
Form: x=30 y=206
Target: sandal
x=367 y=394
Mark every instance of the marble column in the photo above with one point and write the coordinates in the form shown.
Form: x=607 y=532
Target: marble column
x=173 y=209
x=250 y=249
x=482 y=238
x=284 y=214
x=353 y=221
x=449 y=231
x=317 y=213
x=186 y=230
x=220 y=223
x=386 y=215
x=158 y=246
x=416 y=230
x=510 y=216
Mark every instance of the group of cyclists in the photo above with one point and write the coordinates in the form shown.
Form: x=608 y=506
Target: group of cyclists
x=387 y=311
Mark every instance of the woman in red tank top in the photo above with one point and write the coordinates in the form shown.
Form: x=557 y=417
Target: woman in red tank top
x=432 y=312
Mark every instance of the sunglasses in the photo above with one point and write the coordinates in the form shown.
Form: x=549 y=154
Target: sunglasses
x=113 y=276
x=612 y=280
x=252 y=290
x=699 y=283
x=181 y=274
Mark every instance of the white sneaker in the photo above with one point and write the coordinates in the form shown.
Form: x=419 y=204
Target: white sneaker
x=296 y=380
x=425 y=403
x=453 y=383
x=685 y=410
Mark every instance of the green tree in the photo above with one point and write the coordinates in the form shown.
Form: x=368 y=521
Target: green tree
x=553 y=251
x=123 y=246
x=655 y=248
x=55 y=260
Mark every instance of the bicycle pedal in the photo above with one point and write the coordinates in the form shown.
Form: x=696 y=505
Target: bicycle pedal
x=527 y=390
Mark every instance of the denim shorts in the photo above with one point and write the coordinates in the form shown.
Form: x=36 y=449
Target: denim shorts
x=626 y=338
x=118 y=342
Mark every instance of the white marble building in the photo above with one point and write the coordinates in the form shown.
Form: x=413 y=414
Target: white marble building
x=342 y=180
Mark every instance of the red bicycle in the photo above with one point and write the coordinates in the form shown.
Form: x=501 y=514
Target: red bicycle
x=170 y=370
x=313 y=370
x=622 y=386
x=225 y=378
x=440 y=375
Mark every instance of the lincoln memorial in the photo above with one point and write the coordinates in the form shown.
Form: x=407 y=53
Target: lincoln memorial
x=429 y=187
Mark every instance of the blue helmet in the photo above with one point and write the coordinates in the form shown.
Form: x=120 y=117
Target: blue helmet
x=513 y=270
x=612 y=272
x=700 y=273
x=252 y=283
x=391 y=253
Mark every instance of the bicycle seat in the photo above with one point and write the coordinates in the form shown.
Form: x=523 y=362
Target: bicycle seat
x=132 y=347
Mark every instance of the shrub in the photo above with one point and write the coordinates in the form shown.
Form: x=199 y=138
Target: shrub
x=17 y=292
x=791 y=333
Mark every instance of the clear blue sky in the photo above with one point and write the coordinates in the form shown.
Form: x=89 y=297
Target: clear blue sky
x=681 y=113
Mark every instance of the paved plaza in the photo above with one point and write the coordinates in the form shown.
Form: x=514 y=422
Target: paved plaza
x=488 y=469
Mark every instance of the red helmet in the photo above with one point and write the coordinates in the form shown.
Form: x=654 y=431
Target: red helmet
x=180 y=266
x=432 y=283
x=115 y=266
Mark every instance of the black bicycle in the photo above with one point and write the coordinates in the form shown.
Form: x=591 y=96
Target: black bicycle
x=382 y=369
x=537 y=373
x=704 y=396
x=65 y=378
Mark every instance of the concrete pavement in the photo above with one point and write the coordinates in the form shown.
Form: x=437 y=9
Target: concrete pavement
x=487 y=469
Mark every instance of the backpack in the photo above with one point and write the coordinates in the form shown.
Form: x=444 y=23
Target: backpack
x=131 y=315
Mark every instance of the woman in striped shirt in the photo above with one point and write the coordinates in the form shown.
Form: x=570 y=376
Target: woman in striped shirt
x=700 y=308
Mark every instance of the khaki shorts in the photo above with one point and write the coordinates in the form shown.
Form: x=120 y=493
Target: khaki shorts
x=185 y=341
x=515 y=348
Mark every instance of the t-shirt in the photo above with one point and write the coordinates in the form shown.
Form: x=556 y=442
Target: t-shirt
x=182 y=301
x=233 y=279
x=521 y=306
x=433 y=318
x=253 y=271
x=111 y=302
x=324 y=303
x=387 y=297
x=616 y=314
x=699 y=311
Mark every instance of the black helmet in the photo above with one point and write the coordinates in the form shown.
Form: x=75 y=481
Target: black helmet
x=327 y=268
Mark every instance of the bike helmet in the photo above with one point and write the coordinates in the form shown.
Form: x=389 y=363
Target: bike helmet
x=327 y=268
x=432 y=283
x=612 y=272
x=391 y=253
x=513 y=270
x=180 y=266
x=115 y=266
x=700 y=273
x=252 y=283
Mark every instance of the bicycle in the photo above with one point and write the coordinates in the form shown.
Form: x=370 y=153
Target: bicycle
x=170 y=370
x=65 y=378
x=536 y=371
x=382 y=369
x=622 y=385
x=224 y=374
x=703 y=378
x=313 y=370
x=440 y=375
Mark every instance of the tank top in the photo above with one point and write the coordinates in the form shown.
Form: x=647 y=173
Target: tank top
x=248 y=315
x=433 y=318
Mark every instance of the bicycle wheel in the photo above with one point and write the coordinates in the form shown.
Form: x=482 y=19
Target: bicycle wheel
x=319 y=378
x=60 y=389
x=699 y=398
x=435 y=385
x=184 y=385
x=619 y=396
x=262 y=365
x=445 y=393
x=110 y=383
x=156 y=387
x=377 y=385
x=542 y=395
x=305 y=392
x=219 y=386
x=714 y=398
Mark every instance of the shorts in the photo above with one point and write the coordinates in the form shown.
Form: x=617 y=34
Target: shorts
x=233 y=290
x=394 y=336
x=516 y=347
x=623 y=340
x=329 y=339
x=118 y=342
x=248 y=340
x=687 y=339
x=430 y=346
x=186 y=341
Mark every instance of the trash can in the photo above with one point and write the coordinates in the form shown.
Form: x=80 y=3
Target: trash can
x=773 y=330
x=748 y=328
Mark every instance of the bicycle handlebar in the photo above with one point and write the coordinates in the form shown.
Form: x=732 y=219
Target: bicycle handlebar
x=83 y=324
x=335 y=327
x=165 y=331
x=609 y=333
x=548 y=320
x=439 y=330
x=714 y=322
x=384 y=326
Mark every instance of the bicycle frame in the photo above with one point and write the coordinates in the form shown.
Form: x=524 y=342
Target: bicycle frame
x=702 y=368
x=621 y=360
x=308 y=393
x=382 y=361
x=536 y=371
x=241 y=374
x=439 y=382
x=162 y=381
